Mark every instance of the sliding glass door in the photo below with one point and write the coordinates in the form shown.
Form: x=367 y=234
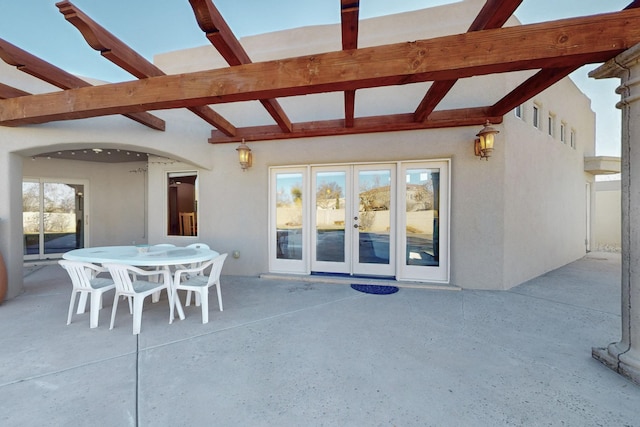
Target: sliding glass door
x=53 y=217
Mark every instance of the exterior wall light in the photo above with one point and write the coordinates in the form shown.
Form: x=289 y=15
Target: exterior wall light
x=244 y=155
x=483 y=145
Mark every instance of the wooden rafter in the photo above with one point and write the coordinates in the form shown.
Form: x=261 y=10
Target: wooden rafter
x=11 y=92
x=531 y=87
x=222 y=38
x=559 y=44
x=633 y=5
x=493 y=14
x=349 y=16
x=41 y=69
x=126 y=58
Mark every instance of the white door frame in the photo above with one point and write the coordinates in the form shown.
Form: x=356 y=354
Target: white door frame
x=308 y=238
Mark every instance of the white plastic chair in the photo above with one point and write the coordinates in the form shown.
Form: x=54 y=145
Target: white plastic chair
x=85 y=282
x=199 y=283
x=138 y=290
x=194 y=265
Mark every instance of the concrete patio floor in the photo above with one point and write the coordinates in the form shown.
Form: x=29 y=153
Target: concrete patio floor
x=292 y=353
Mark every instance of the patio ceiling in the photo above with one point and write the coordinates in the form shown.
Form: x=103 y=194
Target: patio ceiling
x=550 y=51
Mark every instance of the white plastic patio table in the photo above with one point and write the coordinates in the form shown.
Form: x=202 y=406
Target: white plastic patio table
x=154 y=256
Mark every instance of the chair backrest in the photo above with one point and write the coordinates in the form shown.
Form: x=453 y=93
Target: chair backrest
x=216 y=269
x=80 y=273
x=166 y=245
x=199 y=246
x=121 y=276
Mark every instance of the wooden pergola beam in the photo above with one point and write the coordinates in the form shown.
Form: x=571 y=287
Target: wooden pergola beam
x=564 y=43
x=493 y=14
x=7 y=91
x=116 y=51
x=222 y=38
x=350 y=17
x=530 y=88
x=43 y=70
x=537 y=83
x=395 y=122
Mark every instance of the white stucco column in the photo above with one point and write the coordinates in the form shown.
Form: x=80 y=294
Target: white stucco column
x=624 y=356
x=11 y=220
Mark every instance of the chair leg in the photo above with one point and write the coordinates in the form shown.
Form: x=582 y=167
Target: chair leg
x=114 y=309
x=72 y=302
x=174 y=300
x=219 y=295
x=96 y=304
x=155 y=297
x=204 y=302
x=172 y=295
x=137 y=313
x=82 y=304
x=188 y=303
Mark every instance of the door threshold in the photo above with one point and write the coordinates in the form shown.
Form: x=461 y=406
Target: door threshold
x=353 y=276
x=342 y=279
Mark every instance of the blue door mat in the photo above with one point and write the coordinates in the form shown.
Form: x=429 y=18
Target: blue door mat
x=375 y=289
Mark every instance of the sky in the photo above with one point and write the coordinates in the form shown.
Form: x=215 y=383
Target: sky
x=155 y=26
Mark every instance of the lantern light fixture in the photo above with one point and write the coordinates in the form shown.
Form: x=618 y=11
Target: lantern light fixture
x=483 y=144
x=244 y=156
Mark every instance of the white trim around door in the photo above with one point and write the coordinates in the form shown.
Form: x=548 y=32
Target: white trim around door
x=386 y=219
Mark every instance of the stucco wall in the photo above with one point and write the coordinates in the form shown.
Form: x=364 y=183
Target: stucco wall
x=10 y=221
x=234 y=204
x=608 y=218
x=545 y=184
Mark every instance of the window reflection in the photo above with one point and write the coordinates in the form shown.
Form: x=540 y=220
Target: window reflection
x=289 y=194
x=422 y=220
x=330 y=216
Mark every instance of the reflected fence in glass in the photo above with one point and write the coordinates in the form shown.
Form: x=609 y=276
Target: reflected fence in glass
x=422 y=221
x=289 y=216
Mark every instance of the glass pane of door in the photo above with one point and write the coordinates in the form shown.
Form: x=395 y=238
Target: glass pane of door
x=62 y=217
x=422 y=221
x=373 y=240
x=330 y=240
x=289 y=215
x=423 y=244
x=52 y=218
x=31 y=218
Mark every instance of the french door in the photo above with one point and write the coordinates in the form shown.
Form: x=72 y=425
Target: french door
x=353 y=219
x=382 y=219
x=53 y=217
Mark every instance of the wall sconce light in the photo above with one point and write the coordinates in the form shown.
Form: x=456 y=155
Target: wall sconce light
x=483 y=145
x=245 y=156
